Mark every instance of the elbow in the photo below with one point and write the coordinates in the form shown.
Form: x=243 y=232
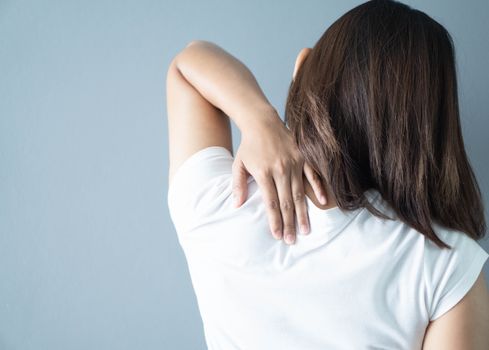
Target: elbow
x=178 y=57
x=199 y=42
x=173 y=67
x=193 y=43
x=187 y=53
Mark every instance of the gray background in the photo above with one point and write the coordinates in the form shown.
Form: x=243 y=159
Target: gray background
x=88 y=255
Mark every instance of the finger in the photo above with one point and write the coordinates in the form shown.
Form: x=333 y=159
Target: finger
x=316 y=184
x=300 y=200
x=282 y=179
x=240 y=183
x=270 y=198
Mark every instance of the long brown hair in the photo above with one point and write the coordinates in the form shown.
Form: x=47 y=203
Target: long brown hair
x=375 y=105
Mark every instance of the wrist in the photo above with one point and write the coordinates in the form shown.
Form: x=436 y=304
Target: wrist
x=260 y=117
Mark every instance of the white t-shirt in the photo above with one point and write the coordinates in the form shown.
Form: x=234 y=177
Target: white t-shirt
x=355 y=282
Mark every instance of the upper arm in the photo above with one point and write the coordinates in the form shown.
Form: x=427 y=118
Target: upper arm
x=465 y=326
x=193 y=122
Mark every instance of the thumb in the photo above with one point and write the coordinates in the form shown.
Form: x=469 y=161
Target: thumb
x=240 y=183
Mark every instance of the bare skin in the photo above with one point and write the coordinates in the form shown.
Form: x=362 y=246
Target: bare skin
x=329 y=194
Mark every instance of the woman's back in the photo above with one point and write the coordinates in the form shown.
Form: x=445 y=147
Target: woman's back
x=356 y=281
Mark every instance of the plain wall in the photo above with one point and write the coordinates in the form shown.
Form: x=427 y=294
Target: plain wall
x=88 y=255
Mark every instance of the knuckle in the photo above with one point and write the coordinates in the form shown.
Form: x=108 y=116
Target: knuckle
x=298 y=160
x=280 y=169
x=298 y=197
x=262 y=174
x=289 y=229
x=273 y=204
x=286 y=205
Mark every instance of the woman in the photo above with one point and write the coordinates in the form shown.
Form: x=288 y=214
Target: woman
x=372 y=122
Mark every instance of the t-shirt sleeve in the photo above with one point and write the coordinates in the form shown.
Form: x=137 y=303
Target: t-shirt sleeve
x=201 y=181
x=451 y=273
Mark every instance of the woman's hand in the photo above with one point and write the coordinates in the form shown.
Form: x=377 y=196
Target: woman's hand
x=268 y=153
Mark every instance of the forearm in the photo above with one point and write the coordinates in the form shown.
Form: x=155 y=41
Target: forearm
x=226 y=83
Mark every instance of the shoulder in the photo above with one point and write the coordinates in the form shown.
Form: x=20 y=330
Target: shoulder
x=464 y=323
x=450 y=273
x=202 y=182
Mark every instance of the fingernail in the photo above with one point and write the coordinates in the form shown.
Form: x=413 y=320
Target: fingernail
x=322 y=199
x=289 y=238
x=304 y=229
x=277 y=234
x=236 y=201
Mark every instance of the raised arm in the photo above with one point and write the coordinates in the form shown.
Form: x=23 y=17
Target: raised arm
x=267 y=150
